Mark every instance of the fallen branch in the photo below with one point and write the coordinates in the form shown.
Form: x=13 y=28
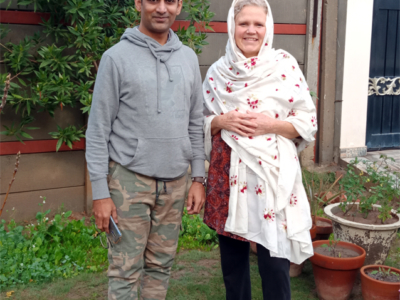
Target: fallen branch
x=6 y=88
x=12 y=181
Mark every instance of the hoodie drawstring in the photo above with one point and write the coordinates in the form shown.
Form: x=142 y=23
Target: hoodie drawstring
x=159 y=61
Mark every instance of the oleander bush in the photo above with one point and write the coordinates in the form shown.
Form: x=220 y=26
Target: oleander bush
x=57 y=68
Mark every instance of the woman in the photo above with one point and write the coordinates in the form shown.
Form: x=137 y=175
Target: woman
x=259 y=116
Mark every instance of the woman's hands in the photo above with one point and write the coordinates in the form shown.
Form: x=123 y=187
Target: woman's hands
x=237 y=122
x=270 y=125
x=252 y=124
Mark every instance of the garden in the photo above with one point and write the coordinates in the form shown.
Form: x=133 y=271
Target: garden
x=59 y=254
x=355 y=238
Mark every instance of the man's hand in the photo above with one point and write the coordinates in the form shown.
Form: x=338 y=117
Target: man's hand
x=196 y=198
x=103 y=209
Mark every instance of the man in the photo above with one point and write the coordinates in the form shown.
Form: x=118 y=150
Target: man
x=145 y=127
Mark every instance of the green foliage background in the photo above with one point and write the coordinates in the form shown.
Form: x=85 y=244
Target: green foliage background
x=50 y=76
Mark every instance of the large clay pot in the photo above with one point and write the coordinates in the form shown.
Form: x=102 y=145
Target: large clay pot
x=334 y=277
x=323 y=232
x=375 y=239
x=373 y=289
x=313 y=232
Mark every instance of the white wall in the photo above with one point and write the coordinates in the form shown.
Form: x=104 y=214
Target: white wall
x=356 y=73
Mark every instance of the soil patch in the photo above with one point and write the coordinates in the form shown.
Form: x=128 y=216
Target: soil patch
x=355 y=216
x=340 y=251
x=323 y=224
x=383 y=277
x=207 y=263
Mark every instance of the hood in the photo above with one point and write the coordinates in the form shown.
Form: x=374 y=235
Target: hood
x=161 y=53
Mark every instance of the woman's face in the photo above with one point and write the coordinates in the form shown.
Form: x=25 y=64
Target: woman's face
x=250 y=29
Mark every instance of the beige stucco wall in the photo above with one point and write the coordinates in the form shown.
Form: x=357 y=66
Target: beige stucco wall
x=355 y=78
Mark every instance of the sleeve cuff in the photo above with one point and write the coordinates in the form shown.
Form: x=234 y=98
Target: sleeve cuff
x=100 y=189
x=198 y=168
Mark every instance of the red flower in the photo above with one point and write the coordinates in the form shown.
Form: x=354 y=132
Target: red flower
x=277 y=116
x=237 y=73
x=212 y=79
x=215 y=89
x=291 y=100
x=208 y=92
x=269 y=139
x=240 y=161
x=297 y=85
x=246 y=85
x=283 y=76
x=293 y=68
x=250 y=137
x=212 y=100
x=260 y=162
x=266 y=44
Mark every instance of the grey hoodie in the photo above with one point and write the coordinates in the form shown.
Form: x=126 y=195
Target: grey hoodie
x=146 y=111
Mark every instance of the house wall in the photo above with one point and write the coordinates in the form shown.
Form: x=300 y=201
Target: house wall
x=355 y=78
x=62 y=176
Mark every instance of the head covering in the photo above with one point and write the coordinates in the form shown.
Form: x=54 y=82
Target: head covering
x=271 y=84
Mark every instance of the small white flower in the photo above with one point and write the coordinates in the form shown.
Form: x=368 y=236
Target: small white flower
x=44 y=201
x=46 y=218
x=13 y=208
x=22 y=265
x=41 y=197
x=33 y=246
x=63 y=213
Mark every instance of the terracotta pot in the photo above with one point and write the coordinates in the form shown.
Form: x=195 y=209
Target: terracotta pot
x=375 y=239
x=313 y=232
x=295 y=270
x=253 y=247
x=323 y=232
x=334 y=277
x=373 y=289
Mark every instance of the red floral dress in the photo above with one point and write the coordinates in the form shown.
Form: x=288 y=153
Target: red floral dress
x=217 y=197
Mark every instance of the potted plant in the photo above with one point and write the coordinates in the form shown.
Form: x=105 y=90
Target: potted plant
x=335 y=267
x=380 y=282
x=367 y=217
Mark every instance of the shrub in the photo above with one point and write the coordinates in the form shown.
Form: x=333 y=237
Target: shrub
x=195 y=234
x=57 y=68
x=48 y=249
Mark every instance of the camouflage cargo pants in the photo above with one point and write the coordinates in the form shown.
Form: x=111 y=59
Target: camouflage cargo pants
x=149 y=217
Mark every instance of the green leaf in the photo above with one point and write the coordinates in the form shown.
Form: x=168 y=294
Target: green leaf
x=59 y=144
x=38 y=241
x=67 y=214
x=25 y=135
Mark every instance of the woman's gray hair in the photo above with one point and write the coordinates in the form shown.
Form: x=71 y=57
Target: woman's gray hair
x=242 y=3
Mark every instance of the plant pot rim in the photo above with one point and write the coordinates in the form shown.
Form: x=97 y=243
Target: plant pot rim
x=322 y=242
x=322 y=219
x=328 y=212
x=363 y=274
x=335 y=263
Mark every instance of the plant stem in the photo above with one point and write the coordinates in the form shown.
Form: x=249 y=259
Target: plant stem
x=12 y=180
x=6 y=88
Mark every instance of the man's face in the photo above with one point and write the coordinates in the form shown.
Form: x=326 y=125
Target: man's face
x=158 y=15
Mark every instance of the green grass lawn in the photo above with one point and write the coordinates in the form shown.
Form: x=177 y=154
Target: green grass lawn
x=195 y=275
